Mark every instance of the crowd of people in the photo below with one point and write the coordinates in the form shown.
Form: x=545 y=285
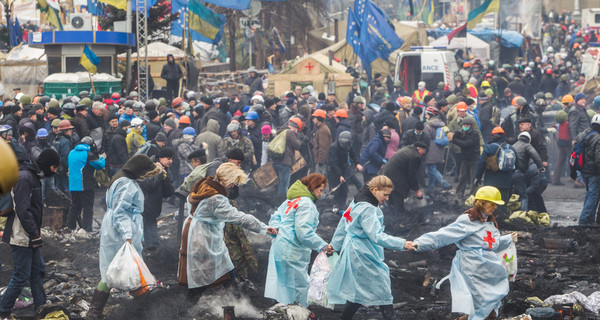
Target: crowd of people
x=487 y=128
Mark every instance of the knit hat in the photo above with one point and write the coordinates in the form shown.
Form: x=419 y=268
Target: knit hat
x=112 y=116
x=265 y=130
x=579 y=96
x=55 y=123
x=427 y=99
x=165 y=152
x=233 y=127
x=290 y=102
x=124 y=123
x=235 y=154
x=489 y=92
x=160 y=137
x=452 y=99
x=54 y=110
x=171 y=123
x=420 y=144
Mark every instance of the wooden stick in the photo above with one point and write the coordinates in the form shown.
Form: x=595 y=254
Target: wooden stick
x=92 y=82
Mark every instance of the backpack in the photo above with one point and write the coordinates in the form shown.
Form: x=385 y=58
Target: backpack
x=276 y=148
x=144 y=149
x=440 y=137
x=577 y=155
x=503 y=160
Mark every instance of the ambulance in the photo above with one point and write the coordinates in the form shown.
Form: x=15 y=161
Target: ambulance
x=590 y=62
x=426 y=63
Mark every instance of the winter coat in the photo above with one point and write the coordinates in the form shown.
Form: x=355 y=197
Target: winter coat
x=393 y=145
x=591 y=147
x=468 y=142
x=338 y=163
x=538 y=141
x=297 y=219
x=256 y=138
x=578 y=120
x=184 y=148
x=361 y=275
x=435 y=153
x=292 y=143
x=321 y=142
x=220 y=117
x=374 y=153
x=409 y=137
x=81 y=125
x=134 y=141
x=152 y=129
x=562 y=89
x=82 y=162
x=341 y=126
x=410 y=123
x=171 y=71
x=478 y=279
x=285 y=114
x=228 y=143
x=526 y=151
x=403 y=168
x=116 y=152
x=498 y=179
x=63 y=146
x=24 y=222
x=385 y=116
x=155 y=189
x=204 y=256
x=212 y=139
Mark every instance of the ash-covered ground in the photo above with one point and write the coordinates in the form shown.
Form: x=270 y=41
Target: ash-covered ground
x=552 y=260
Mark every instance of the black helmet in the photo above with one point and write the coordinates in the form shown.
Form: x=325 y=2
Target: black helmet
x=129 y=104
x=68 y=106
x=345 y=139
x=88 y=140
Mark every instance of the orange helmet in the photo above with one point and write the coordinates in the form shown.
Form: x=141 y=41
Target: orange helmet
x=514 y=100
x=567 y=98
x=461 y=106
x=177 y=101
x=466 y=64
x=497 y=130
x=185 y=119
x=297 y=121
x=341 y=113
x=319 y=113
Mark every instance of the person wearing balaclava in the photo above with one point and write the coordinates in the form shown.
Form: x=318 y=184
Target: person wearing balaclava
x=22 y=232
x=171 y=72
x=122 y=222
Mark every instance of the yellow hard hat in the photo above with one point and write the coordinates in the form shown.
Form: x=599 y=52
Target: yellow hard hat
x=9 y=168
x=489 y=193
x=485 y=84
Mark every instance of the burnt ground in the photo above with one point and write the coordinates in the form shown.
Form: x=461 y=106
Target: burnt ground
x=552 y=260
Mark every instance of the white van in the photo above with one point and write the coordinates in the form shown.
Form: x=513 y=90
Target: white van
x=590 y=18
x=429 y=64
x=590 y=62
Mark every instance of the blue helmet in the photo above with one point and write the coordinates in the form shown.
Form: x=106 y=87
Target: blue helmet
x=189 y=130
x=597 y=101
x=42 y=133
x=252 y=115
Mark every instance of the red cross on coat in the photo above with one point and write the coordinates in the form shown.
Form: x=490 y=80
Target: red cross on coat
x=292 y=205
x=347 y=215
x=489 y=239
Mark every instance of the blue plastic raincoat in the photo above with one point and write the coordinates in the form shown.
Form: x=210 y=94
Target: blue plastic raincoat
x=361 y=276
x=122 y=221
x=478 y=280
x=297 y=219
x=208 y=258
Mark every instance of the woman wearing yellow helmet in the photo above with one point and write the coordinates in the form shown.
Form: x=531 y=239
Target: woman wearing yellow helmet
x=478 y=279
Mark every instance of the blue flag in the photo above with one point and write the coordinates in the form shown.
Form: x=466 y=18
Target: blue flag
x=16 y=35
x=178 y=26
x=96 y=8
x=231 y=4
x=370 y=34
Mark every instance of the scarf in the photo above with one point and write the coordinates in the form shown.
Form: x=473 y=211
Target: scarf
x=365 y=195
x=203 y=189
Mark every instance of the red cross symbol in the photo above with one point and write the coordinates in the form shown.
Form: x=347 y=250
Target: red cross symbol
x=309 y=66
x=347 y=215
x=292 y=205
x=489 y=239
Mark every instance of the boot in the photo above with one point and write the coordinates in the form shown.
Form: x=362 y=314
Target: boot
x=97 y=305
x=492 y=315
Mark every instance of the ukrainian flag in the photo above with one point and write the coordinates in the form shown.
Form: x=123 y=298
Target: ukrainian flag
x=89 y=60
x=205 y=21
x=428 y=12
x=477 y=14
x=51 y=14
x=119 y=4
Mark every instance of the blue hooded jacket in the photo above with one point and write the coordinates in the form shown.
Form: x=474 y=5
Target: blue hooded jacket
x=374 y=152
x=82 y=163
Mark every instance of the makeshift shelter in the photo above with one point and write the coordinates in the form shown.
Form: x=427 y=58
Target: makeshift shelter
x=412 y=36
x=157 y=57
x=478 y=47
x=315 y=70
x=24 y=67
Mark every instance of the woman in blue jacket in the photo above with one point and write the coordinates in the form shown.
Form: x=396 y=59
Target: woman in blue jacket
x=372 y=157
x=297 y=219
x=478 y=279
x=361 y=277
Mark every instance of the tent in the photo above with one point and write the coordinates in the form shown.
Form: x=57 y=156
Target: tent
x=24 y=67
x=478 y=47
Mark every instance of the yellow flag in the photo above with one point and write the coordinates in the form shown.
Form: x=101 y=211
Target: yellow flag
x=119 y=4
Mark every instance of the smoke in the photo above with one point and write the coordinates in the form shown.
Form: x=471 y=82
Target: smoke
x=213 y=304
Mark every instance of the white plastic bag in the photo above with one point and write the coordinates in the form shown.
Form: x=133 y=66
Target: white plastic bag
x=127 y=271
x=319 y=273
x=508 y=257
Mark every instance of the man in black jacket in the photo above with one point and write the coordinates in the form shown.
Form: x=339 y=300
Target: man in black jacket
x=155 y=189
x=402 y=169
x=116 y=151
x=468 y=142
x=338 y=165
x=153 y=125
x=22 y=232
x=171 y=72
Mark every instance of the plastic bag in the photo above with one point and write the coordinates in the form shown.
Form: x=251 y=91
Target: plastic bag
x=128 y=272
x=319 y=273
x=508 y=257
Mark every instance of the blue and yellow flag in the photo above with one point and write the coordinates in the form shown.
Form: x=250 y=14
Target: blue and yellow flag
x=51 y=14
x=119 y=4
x=89 y=60
x=477 y=14
x=205 y=21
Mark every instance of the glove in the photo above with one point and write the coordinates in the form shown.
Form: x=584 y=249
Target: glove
x=35 y=243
